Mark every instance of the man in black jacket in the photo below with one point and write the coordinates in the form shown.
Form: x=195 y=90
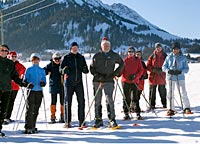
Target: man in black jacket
x=8 y=72
x=73 y=65
x=103 y=69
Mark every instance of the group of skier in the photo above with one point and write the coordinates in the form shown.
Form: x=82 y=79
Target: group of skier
x=65 y=78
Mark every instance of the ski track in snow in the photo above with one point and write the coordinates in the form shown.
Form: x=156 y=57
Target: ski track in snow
x=161 y=129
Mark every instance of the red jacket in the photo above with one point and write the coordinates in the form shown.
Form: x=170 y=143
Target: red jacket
x=21 y=70
x=156 y=60
x=132 y=65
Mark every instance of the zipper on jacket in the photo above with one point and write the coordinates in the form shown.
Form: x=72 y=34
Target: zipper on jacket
x=76 y=70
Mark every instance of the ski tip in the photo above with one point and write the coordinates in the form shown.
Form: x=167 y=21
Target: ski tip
x=93 y=128
x=80 y=128
x=135 y=124
x=117 y=127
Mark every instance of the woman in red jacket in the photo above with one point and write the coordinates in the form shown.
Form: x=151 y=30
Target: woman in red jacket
x=157 y=77
x=131 y=74
x=15 y=87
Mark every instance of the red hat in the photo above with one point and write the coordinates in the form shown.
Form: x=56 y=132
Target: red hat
x=105 y=38
x=12 y=53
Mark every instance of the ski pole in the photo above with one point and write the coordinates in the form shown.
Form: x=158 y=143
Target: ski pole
x=178 y=87
x=19 y=106
x=25 y=104
x=124 y=99
x=115 y=93
x=170 y=102
x=146 y=100
x=65 y=100
x=87 y=93
x=97 y=91
x=45 y=113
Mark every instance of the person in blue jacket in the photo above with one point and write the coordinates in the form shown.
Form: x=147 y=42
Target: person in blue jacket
x=35 y=78
x=176 y=66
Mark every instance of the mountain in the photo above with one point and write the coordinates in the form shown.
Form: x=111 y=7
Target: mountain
x=65 y=21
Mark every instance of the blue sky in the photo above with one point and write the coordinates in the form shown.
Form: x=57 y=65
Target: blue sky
x=178 y=17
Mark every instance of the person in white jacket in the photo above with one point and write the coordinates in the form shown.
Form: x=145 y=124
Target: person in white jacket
x=176 y=66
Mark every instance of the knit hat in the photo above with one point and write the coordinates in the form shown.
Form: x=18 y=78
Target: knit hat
x=5 y=46
x=12 y=53
x=158 y=45
x=74 y=44
x=131 y=48
x=104 y=40
x=56 y=55
x=176 y=45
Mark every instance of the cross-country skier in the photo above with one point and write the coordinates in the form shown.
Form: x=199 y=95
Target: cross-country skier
x=15 y=87
x=55 y=86
x=103 y=69
x=176 y=66
x=8 y=73
x=35 y=79
x=73 y=65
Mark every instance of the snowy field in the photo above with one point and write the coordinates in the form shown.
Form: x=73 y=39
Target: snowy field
x=153 y=129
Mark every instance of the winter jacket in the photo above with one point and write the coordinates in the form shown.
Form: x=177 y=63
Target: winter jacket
x=21 y=70
x=176 y=62
x=103 y=66
x=35 y=74
x=74 y=65
x=154 y=66
x=143 y=77
x=8 y=73
x=132 y=66
x=55 y=84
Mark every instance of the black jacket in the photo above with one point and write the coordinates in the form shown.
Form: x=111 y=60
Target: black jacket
x=103 y=66
x=75 y=65
x=55 y=83
x=8 y=73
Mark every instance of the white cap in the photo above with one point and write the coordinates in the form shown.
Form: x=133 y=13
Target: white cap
x=104 y=40
x=35 y=55
x=56 y=55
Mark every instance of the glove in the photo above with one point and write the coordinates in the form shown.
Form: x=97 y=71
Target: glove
x=144 y=77
x=131 y=77
x=66 y=70
x=157 y=70
x=42 y=84
x=177 y=72
x=30 y=85
x=85 y=70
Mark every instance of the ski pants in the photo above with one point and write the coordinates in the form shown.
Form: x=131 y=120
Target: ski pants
x=131 y=93
x=152 y=94
x=180 y=85
x=11 y=103
x=33 y=103
x=54 y=98
x=4 y=100
x=108 y=88
x=78 y=89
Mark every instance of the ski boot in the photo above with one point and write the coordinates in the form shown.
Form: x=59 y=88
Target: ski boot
x=139 y=117
x=2 y=134
x=126 y=117
x=187 y=111
x=170 y=112
x=112 y=123
x=67 y=125
x=98 y=123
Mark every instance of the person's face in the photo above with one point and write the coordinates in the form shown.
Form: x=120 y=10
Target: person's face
x=105 y=47
x=139 y=55
x=36 y=61
x=3 y=52
x=158 y=49
x=13 y=58
x=74 y=50
x=176 y=51
x=130 y=53
x=57 y=60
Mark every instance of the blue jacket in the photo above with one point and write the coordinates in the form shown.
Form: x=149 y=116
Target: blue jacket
x=175 y=62
x=35 y=74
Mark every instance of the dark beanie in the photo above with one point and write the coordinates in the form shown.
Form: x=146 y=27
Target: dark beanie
x=131 y=48
x=74 y=44
x=176 y=45
x=158 y=45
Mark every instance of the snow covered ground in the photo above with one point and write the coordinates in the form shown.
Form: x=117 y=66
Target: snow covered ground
x=161 y=129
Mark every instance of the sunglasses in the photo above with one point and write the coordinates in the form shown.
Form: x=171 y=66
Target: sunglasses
x=4 y=50
x=14 y=56
x=57 y=59
x=131 y=51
